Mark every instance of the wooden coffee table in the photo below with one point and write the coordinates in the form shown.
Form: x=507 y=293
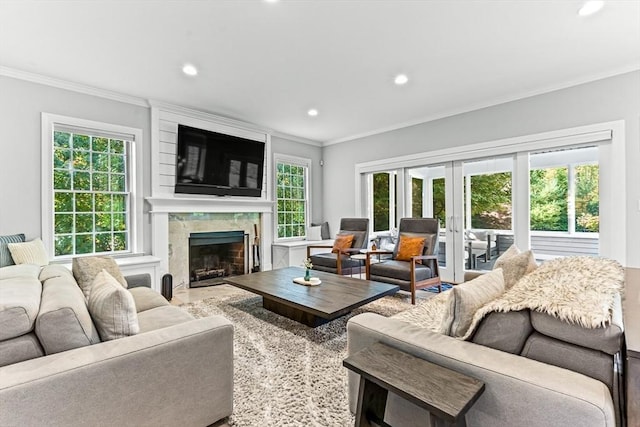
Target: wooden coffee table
x=311 y=305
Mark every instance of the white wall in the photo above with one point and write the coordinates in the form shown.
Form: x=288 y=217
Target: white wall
x=285 y=146
x=615 y=98
x=21 y=105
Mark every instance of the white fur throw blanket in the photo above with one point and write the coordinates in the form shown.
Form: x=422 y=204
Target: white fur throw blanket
x=579 y=290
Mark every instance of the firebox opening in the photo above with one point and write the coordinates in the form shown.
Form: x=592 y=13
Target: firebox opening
x=216 y=255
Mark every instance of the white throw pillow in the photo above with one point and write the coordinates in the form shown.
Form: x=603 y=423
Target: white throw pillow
x=314 y=232
x=515 y=265
x=32 y=252
x=466 y=298
x=112 y=308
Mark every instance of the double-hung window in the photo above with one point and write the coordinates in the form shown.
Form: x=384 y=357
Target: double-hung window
x=88 y=187
x=292 y=196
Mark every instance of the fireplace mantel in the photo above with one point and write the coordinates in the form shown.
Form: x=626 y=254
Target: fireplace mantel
x=203 y=204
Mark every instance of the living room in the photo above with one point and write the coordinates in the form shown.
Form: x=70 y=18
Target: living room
x=576 y=85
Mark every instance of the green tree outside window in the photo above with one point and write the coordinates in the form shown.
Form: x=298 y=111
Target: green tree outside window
x=90 y=194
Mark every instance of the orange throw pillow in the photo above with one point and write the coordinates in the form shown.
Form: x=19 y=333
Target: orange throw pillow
x=342 y=242
x=409 y=247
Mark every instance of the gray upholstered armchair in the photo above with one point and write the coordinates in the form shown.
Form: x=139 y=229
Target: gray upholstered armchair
x=416 y=271
x=327 y=261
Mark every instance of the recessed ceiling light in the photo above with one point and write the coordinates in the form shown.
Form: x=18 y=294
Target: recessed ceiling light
x=190 y=70
x=401 y=79
x=271 y=1
x=590 y=7
x=312 y=112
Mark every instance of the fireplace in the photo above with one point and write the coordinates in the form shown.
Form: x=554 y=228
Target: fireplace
x=216 y=255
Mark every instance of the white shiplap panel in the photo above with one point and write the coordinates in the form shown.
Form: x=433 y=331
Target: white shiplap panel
x=170 y=137
x=169 y=148
x=168 y=159
x=167 y=181
x=168 y=169
x=168 y=126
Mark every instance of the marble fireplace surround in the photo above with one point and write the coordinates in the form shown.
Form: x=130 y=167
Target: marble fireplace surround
x=181 y=225
x=173 y=219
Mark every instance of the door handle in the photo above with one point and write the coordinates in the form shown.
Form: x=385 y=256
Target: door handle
x=451 y=224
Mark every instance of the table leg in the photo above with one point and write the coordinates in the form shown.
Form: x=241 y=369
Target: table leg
x=372 y=401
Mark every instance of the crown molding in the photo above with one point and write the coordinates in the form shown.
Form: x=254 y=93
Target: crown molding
x=72 y=86
x=487 y=104
x=204 y=115
x=294 y=138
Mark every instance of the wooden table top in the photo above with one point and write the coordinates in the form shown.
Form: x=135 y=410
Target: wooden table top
x=443 y=392
x=334 y=297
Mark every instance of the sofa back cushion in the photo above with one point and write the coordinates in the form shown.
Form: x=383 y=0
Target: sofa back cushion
x=19 y=304
x=113 y=308
x=589 y=362
x=504 y=331
x=606 y=339
x=64 y=322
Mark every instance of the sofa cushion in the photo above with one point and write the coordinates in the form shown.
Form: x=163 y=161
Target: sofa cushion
x=19 y=304
x=63 y=322
x=468 y=297
x=22 y=270
x=399 y=270
x=504 y=331
x=19 y=349
x=32 y=252
x=85 y=270
x=146 y=299
x=328 y=260
x=5 y=255
x=515 y=265
x=592 y=363
x=162 y=317
x=605 y=339
x=112 y=308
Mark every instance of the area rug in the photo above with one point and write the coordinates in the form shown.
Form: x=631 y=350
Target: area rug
x=285 y=373
x=435 y=289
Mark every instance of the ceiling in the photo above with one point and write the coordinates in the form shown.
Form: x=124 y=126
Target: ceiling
x=269 y=63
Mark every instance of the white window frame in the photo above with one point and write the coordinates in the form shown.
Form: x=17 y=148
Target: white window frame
x=134 y=174
x=610 y=138
x=297 y=161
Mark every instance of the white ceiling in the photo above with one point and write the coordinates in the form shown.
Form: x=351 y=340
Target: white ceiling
x=268 y=63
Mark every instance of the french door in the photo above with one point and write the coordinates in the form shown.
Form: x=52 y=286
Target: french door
x=472 y=201
x=559 y=193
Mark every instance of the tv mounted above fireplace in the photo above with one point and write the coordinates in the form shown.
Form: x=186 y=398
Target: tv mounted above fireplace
x=214 y=163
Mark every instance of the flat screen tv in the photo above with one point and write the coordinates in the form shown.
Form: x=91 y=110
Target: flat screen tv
x=214 y=163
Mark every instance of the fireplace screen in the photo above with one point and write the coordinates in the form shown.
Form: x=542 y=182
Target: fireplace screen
x=216 y=255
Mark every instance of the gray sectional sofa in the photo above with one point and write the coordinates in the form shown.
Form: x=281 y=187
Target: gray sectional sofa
x=55 y=371
x=539 y=370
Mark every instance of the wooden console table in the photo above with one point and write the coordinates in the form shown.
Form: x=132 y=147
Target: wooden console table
x=446 y=394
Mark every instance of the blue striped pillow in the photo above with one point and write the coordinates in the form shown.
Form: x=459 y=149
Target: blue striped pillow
x=5 y=255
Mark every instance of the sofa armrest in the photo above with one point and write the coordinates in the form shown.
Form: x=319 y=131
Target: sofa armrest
x=138 y=280
x=554 y=396
x=136 y=380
